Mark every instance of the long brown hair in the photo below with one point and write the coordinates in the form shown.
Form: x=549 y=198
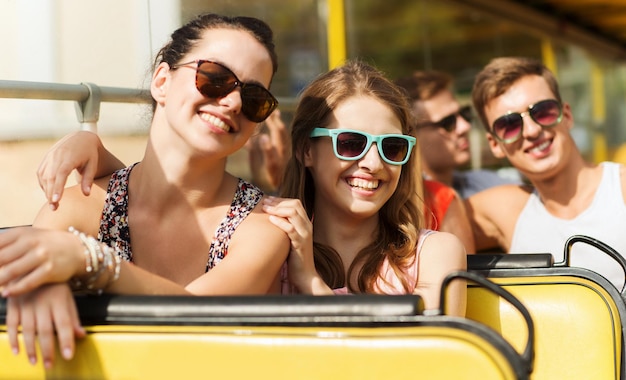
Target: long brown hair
x=400 y=217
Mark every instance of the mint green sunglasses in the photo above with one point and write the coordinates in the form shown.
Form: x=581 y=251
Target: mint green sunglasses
x=351 y=145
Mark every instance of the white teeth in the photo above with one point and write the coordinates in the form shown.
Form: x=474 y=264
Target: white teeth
x=363 y=184
x=215 y=121
x=540 y=147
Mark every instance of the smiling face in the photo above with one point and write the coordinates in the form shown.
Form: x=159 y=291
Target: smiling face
x=540 y=152
x=210 y=124
x=356 y=189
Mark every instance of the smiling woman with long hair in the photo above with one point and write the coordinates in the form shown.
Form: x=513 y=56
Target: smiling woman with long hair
x=354 y=220
x=174 y=223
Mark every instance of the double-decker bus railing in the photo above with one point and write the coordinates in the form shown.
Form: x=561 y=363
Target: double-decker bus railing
x=87 y=96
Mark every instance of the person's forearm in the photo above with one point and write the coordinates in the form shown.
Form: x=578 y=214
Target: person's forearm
x=135 y=280
x=107 y=163
x=314 y=285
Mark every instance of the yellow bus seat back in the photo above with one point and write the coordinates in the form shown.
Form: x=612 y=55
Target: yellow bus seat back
x=579 y=317
x=237 y=352
x=139 y=337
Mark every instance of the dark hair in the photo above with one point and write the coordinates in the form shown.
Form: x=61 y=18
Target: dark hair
x=400 y=217
x=185 y=38
x=500 y=74
x=421 y=86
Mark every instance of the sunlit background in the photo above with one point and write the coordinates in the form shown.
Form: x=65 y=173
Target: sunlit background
x=113 y=43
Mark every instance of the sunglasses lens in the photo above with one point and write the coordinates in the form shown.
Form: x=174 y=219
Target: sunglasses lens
x=448 y=123
x=508 y=127
x=350 y=144
x=466 y=113
x=257 y=102
x=214 y=81
x=546 y=113
x=395 y=149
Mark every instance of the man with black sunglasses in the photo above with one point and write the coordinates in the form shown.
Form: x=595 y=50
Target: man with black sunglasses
x=443 y=141
x=443 y=127
x=527 y=122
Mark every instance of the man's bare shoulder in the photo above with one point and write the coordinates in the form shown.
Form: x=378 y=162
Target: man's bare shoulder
x=493 y=214
x=503 y=194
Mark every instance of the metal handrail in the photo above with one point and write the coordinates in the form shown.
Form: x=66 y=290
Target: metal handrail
x=76 y=92
x=87 y=96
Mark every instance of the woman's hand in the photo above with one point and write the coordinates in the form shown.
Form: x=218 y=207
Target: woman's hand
x=41 y=313
x=31 y=257
x=82 y=151
x=77 y=150
x=290 y=216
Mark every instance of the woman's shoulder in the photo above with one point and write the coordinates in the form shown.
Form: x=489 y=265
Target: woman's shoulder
x=257 y=237
x=441 y=243
x=75 y=209
x=258 y=228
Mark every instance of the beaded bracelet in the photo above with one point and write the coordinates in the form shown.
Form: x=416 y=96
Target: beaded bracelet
x=88 y=257
x=100 y=259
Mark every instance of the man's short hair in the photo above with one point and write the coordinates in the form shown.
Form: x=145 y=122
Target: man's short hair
x=500 y=74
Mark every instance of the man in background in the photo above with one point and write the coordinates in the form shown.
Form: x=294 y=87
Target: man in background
x=443 y=127
x=528 y=123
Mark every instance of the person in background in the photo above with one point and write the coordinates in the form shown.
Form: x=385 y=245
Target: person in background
x=350 y=195
x=528 y=123
x=174 y=223
x=444 y=146
x=443 y=127
x=445 y=211
x=268 y=153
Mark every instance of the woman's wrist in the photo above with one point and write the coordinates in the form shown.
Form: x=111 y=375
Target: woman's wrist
x=101 y=265
x=313 y=285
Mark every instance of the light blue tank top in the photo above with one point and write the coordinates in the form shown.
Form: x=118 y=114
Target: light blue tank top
x=605 y=219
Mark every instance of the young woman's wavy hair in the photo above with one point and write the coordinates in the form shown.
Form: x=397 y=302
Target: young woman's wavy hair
x=399 y=218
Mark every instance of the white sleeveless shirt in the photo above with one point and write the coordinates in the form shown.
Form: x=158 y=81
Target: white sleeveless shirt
x=538 y=231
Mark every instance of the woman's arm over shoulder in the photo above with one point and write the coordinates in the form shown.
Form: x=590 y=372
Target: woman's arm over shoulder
x=256 y=253
x=442 y=253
